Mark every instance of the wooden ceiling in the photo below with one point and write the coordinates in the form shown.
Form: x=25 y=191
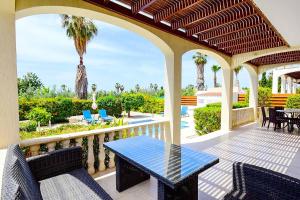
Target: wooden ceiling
x=286 y=57
x=229 y=26
x=295 y=75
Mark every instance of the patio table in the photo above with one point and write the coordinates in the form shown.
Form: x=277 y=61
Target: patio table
x=293 y=119
x=176 y=168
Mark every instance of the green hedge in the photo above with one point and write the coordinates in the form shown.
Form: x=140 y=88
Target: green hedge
x=293 y=101
x=62 y=108
x=234 y=105
x=207 y=119
x=152 y=105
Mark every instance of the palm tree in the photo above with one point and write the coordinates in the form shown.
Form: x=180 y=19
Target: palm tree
x=118 y=86
x=137 y=87
x=122 y=88
x=215 y=69
x=81 y=30
x=200 y=60
x=155 y=86
x=237 y=71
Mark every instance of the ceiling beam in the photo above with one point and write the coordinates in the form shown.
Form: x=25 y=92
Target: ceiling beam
x=140 y=5
x=205 y=13
x=178 y=6
x=257 y=48
x=215 y=24
x=233 y=28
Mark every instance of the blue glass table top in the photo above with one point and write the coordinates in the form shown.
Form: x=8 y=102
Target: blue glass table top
x=169 y=163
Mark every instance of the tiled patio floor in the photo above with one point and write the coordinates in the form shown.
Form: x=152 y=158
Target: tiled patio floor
x=278 y=151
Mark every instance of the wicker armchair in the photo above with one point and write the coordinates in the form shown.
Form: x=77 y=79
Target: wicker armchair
x=55 y=175
x=252 y=182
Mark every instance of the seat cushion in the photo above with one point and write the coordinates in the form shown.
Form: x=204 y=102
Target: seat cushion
x=18 y=181
x=75 y=185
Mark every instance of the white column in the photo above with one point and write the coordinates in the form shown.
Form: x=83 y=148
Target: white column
x=253 y=95
x=227 y=93
x=275 y=84
x=294 y=90
x=289 y=83
x=173 y=95
x=9 y=115
x=283 y=84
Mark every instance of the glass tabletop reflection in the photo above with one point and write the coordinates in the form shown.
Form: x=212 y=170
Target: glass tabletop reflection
x=169 y=162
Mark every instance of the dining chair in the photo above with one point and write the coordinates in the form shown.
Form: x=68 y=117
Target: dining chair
x=265 y=118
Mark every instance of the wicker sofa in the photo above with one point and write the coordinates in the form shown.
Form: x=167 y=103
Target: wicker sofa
x=252 y=182
x=55 y=175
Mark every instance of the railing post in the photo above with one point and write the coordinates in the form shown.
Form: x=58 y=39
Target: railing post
x=136 y=131
x=162 y=132
x=150 y=130
x=143 y=130
x=78 y=142
x=101 y=154
x=34 y=150
x=156 y=131
x=91 y=159
x=65 y=144
x=51 y=146
x=111 y=155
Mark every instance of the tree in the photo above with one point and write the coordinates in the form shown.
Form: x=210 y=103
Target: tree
x=137 y=87
x=122 y=88
x=215 y=69
x=118 y=86
x=200 y=60
x=263 y=81
x=237 y=71
x=188 y=91
x=155 y=87
x=81 y=30
x=132 y=102
x=29 y=81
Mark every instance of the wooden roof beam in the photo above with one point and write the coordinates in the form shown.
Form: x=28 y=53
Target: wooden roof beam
x=174 y=8
x=234 y=28
x=202 y=15
x=256 y=48
x=254 y=43
x=140 y=5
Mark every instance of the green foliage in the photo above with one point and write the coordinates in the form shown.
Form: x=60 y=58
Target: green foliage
x=152 y=105
x=132 y=101
x=39 y=115
x=28 y=126
x=265 y=81
x=234 y=105
x=207 y=119
x=189 y=90
x=29 y=83
x=298 y=90
x=264 y=96
x=293 y=101
x=200 y=58
x=112 y=104
x=78 y=105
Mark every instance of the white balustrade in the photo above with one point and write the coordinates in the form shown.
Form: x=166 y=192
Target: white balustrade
x=155 y=129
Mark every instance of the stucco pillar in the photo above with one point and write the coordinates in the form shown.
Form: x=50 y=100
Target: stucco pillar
x=173 y=94
x=290 y=85
x=294 y=89
x=275 y=84
x=227 y=93
x=9 y=117
x=253 y=95
x=283 y=84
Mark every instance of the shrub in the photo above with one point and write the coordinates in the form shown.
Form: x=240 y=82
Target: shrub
x=39 y=115
x=293 y=101
x=207 y=119
x=217 y=104
x=234 y=105
x=132 y=102
x=152 y=105
x=112 y=104
x=28 y=126
x=80 y=105
x=264 y=96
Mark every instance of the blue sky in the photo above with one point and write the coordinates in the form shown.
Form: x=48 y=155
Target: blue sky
x=114 y=55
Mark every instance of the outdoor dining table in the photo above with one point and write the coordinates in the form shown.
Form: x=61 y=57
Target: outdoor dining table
x=175 y=167
x=293 y=117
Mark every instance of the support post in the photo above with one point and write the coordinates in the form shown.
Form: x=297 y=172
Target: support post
x=274 y=84
x=227 y=94
x=173 y=95
x=253 y=95
x=290 y=85
x=9 y=115
x=283 y=84
x=294 y=86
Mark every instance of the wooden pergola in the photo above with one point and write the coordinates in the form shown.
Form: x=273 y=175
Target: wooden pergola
x=229 y=26
x=285 y=57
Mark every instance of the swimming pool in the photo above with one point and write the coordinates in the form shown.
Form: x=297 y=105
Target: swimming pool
x=183 y=124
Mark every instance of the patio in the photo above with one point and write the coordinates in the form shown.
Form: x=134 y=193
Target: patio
x=278 y=151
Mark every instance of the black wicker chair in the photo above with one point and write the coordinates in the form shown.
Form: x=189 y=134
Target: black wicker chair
x=56 y=175
x=252 y=182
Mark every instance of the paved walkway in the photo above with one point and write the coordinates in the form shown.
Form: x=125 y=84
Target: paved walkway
x=278 y=151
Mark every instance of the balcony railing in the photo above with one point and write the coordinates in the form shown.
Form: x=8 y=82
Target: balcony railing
x=95 y=156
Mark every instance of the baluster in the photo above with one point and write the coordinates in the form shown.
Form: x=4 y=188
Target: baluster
x=156 y=131
x=136 y=131
x=91 y=159
x=101 y=154
x=143 y=130
x=120 y=134
x=128 y=131
x=51 y=146
x=150 y=130
x=78 y=142
x=34 y=150
x=111 y=155
x=162 y=131
x=167 y=131
x=65 y=144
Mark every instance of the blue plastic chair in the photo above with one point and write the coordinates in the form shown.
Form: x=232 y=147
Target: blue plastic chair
x=103 y=115
x=87 y=116
x=184 y=111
